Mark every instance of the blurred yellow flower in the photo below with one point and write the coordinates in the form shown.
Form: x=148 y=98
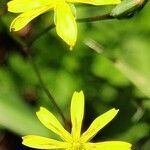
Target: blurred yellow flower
x=66 y=26
x=75 y=140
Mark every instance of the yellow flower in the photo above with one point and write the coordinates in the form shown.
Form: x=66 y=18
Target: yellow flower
x=75 y=140
x=66 y=26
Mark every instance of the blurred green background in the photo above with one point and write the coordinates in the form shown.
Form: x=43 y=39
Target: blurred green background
x=110 y=63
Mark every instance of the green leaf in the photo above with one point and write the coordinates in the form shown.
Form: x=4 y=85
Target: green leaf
x=133 y=135
x=128 y=8
x=146 y=145
x=105 y=69
x=15 y=115
x=133 y=62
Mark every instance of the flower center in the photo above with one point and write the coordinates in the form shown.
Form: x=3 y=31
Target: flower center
x=77 y=146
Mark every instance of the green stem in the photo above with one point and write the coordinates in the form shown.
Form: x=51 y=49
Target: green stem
x=79 y=20
x=45 y=88
x=96 y=18
x=26 y=47
x=36 y=37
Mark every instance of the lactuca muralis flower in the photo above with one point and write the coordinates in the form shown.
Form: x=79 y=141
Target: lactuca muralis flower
x=75 y=140
x=66 y=26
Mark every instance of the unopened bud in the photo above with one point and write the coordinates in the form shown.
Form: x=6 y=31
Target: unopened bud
x=128 y=8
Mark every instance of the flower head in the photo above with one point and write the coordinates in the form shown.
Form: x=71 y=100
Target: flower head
x=74 y=140
x=66 y=26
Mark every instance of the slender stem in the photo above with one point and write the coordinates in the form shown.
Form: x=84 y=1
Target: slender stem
x=36 y=37
x=95 y=18
x=45 y=88
x=26 y=47
x=79 y=20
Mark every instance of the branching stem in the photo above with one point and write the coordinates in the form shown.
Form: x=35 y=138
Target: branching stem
x=79 y=20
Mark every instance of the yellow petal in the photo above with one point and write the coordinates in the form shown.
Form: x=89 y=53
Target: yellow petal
x=110 y=145
x=50 y=121
x=77 y=113
x=66 y=26
x=98 y=124
x=96 y=2
x=18 y=6
x=23 y=19
x=43 y=143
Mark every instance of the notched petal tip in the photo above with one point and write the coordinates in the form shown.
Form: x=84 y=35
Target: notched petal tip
x=24 y=139
x=41 y=111
x=113 y=111
x=80 y=92
x=71 y=47
x=8 y=5
x=71 y=43
x=77 y=113
x=42 y=108
x=77 y=95
x=66 y=26
x=14 y=26
x=11 y=29
x=116 y=110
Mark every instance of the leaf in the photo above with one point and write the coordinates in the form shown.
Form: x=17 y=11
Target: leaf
x=133 y=62
x=15 y=115
x=104 y=68
x=133 y=134
x=128 y=8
